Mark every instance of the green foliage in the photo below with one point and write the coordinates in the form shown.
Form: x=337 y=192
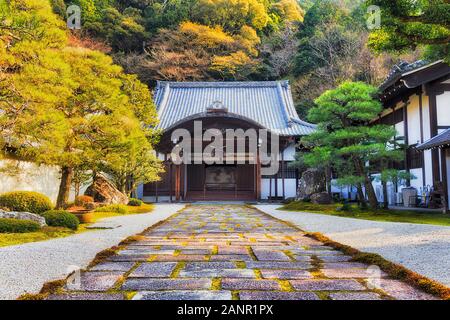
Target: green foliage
x=61 y=218
x=135 y=202
x=116 y=208
x=407 y=24
x=26 y=201
x=344 y=138
x=18 y=226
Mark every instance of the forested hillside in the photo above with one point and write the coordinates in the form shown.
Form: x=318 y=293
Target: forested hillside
x=317 y=44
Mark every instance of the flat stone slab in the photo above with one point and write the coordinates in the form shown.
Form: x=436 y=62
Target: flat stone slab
x=245 y=284
x=225 y=273
x=148 y=284
x=231 y=257
x=403 y=291
x=277 y=295
x=113 y=266
x=286 y=274
x=349 y=273
x=267 y=255
x=355 y=296
x=94 y=281
x=183 y=295
x=219 y=265
x=86 y=296
x=277 y=265
x=327 y=285
x=154 y=270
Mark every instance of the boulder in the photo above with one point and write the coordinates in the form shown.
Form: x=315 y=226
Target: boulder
x=23 y=216
x=104 y=191
x=313 y=181
x=321 y=198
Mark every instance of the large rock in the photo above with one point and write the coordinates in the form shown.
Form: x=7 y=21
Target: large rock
x=321 y=198
x=23 y=216
x=104 y=191
x=313 y=181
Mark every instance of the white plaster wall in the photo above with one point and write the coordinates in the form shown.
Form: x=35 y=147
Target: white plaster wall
x=426 y=118
x=448 y=174
x=289 y=153
x=418 y=182
x=140 y=191
x=400 y=129
x=290 y=188
x=443 y=109
x=413 y=114
x=31 y=177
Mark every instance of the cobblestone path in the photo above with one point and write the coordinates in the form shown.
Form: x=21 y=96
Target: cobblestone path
x=228 y=252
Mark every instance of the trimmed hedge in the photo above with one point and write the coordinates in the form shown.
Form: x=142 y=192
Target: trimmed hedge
x=18 y=226
x=135 y=202
x=61 y=218
x=26 y=201
x=117 y=208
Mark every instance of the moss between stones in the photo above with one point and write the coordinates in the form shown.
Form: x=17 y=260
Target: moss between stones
x=286 y=286
x=48 y=288
x=240 y=265
x=235 y=295
x=176 y=271
x=394 y=270
x=258 y=274
x=216 y=284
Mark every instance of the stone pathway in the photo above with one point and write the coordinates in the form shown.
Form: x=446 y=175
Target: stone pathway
x=421 y=248
x=225 y=252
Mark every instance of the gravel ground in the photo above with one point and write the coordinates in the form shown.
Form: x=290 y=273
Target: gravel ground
x=424 y=249
x=25 y=268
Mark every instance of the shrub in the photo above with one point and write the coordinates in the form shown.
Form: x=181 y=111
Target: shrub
x=18 y=226
x=346 y=207
x=117 y=208
x=135 y=202
x=26 y=201
x=82 y=201
x=61 y=218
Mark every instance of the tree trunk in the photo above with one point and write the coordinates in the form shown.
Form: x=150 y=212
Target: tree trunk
x=361 y=198
x=370 y=191
x=64 y=187
x=385 y=195
x=328 y=179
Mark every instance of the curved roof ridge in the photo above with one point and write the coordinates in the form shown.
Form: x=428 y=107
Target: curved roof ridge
x=269 y=103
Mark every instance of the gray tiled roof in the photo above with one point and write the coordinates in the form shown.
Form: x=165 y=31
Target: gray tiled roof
x=400 y=69
x=442 y=139
x=267 y=103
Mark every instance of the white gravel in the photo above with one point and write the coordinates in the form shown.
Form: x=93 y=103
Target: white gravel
x=424 y=249
x=25 y=268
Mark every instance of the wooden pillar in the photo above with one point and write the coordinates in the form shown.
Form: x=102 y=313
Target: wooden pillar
x=178 y=183
x=283 y=177
x=170 y=181
x=258 y=177
x=444 y=176
x=433 y=133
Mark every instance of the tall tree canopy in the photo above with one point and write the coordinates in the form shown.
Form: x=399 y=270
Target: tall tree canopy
x=408 y=23
x=68 y=106
x=344 y=138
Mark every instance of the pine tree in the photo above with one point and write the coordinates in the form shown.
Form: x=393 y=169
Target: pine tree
x=345 y=138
